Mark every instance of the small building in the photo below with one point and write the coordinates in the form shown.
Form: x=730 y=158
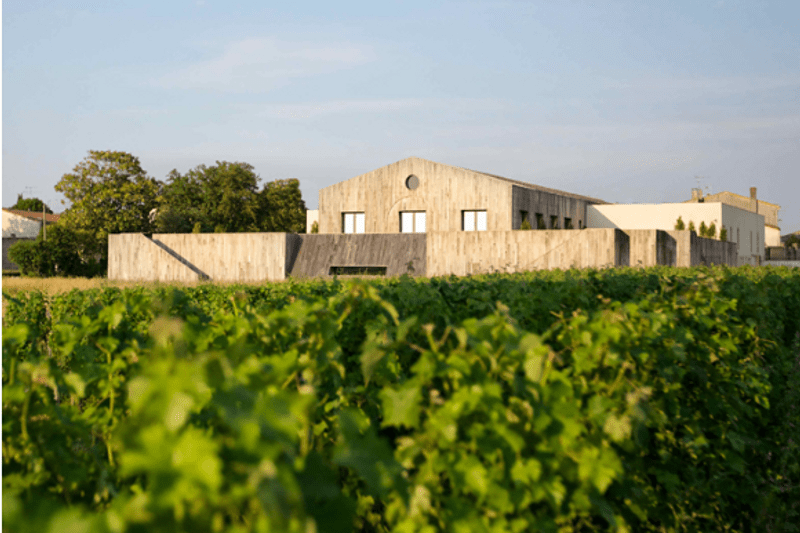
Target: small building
x=744 y=228
x=21 y=225
x=772 y=231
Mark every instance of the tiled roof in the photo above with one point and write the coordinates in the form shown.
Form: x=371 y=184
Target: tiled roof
x=34 y=215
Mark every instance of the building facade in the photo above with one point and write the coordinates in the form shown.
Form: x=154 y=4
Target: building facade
x=417 y=196
x=772 y=230
x=19 y=226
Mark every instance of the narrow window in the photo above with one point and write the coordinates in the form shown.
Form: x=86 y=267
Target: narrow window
x=553 y=222
x=568 y=223
x=353 y=222
x=412 y=221
x=473 y=220
x=357 y=271
x=738 y=236
x=540 y=221
x=580 y=224
x=523 y=216
x=751 y=242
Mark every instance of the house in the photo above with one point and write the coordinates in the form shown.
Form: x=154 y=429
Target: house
x=772 y=231
x=21 y=225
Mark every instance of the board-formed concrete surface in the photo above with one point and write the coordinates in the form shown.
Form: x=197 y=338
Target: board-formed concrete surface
x=475 y=252
x=134 y=257
x=398 y=253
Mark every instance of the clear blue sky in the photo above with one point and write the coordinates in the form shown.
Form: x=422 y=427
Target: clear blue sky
x=625 y=101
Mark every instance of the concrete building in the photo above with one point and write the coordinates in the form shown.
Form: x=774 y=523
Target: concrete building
x=418 y=196
x=744 y=228
x=425 y=218
x=772 y=231
x=21 y=225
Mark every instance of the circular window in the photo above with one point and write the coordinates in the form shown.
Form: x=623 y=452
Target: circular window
x=412 y=182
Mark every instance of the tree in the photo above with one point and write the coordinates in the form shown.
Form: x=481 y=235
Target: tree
x=221 y=198
x=679 y=225
x=723 y=234
x=109 y=193
x=281 y=207
x=711 y=232
x=315 y=227
x=691 y=226
x=525 y=225
x=703 y=231
x=56 y=256
x=30 y=204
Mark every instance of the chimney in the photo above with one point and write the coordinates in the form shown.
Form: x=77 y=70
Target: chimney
x=697 y=194
x=753 y=200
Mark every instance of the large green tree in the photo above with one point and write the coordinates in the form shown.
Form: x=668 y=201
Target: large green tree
x=225 y=198
x=30 y=204
x=109 y=193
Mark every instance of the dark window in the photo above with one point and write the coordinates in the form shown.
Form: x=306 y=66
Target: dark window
x=523 y=216
x=540 y=221
x=568 y=223
x=358 y=271
x=580 y=224
x=553 y=222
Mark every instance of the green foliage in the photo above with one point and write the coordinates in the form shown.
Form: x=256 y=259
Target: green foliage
x=711 y=231
x=282 y=207
x=679 y=225
x=702 y=231
x=30 y=204
x=520 y=402
x=691 y=226
x=109 y=193
x=723 y=234
x=525 y=225
x=315 y=227
x=58 y=255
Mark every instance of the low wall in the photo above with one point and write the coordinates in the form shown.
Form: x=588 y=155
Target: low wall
x=232 y=256
x=473 y=252
x=134 y=257
x=399 y=253
x=651 y=247
x=692 y=250
x=782 y=253
x=791 y=264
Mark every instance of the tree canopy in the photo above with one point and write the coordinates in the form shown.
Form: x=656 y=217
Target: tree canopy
x=109 y=193
x=30 y=204
x=225 y=198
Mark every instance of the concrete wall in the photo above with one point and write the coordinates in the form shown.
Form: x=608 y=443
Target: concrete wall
x=463 y=253
x=649 y=247
x=548 y=205
x=692 y=250
x=782 y=253
x=790 y=264
x=400 y=253
x=20 y=227
x=443 y=192
x=133 y=257
x=233 y=256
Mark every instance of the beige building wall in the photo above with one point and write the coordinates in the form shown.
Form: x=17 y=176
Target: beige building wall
x=312 y=215
x=463 y=253
x=443 y=192
x=134 y=257
x=772 y=236
x=20 y=227
x=744 y=228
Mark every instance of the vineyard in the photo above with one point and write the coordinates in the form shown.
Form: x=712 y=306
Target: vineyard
x=662 y=399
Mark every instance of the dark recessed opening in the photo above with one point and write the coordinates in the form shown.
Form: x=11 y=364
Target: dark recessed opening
x=412 y=182
x=358 y=271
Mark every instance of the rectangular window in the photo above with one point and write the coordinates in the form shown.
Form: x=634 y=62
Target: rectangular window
x=523 y=216
x=353 y=222
x=473 y=220
x=553 y=222
x=567 y=223
x=751 y=242
x=540 y=221
x=412 y=221
x=738 y=237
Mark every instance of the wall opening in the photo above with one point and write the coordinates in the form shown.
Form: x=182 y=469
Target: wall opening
x=568 y=223
x=357 y=271
x=554 y=222
x=540 y=221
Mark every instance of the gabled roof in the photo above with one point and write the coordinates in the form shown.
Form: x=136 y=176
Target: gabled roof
x=34 y=215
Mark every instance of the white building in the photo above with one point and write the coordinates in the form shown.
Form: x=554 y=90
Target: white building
x=744 y=227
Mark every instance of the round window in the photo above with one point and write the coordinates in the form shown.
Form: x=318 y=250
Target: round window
x=412 y=182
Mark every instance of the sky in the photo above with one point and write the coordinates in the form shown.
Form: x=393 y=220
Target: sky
x=627 y=101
